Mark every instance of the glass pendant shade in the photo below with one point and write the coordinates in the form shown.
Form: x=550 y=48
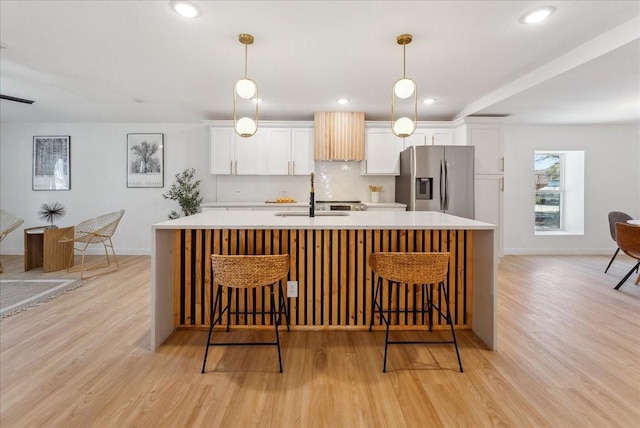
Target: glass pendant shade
x=404 y=88
x=403 y=127
x=246 y=127
x=246 y=88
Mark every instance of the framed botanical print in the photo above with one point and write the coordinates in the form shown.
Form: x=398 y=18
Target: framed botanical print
x=51 y=163
x=145 y=160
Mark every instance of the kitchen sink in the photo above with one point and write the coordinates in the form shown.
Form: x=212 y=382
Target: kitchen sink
x=306 y=213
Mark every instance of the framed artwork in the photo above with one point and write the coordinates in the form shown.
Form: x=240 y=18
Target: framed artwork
x=51 y=163
x=145 y=160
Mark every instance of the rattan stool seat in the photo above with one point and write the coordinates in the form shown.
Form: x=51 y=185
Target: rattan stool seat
x=241 y=272
x=413 y=269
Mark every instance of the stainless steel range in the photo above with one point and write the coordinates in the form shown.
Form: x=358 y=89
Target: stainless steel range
x=340 y=206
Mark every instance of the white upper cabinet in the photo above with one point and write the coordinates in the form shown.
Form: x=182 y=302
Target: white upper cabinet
x=302 y=162
x=271 y=151
x=278 y=156
x=418 y=138
x=429 y=137
x=381 y=152
x=221 y=151
x=439 y=137
x=489 y=156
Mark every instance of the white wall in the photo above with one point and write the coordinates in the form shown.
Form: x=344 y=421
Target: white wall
x=612 y=183
x=98 y=179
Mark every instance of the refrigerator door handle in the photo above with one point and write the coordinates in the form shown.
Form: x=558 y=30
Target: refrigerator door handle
x=446 y=185
x=443 y=190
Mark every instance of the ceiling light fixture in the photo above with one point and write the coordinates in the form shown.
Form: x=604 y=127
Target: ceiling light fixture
x=404 y=89
x=429 y=100
x=342 y=101
x=537 y=15
x=185 y=8
x=247 y=89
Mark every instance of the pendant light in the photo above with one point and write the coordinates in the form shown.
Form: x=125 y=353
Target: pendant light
x=404 y=89
x=245 y=89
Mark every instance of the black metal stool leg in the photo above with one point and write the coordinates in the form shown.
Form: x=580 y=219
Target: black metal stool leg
x=375 y=303
x=450 y=321
x=276 y=324
x=213 y=320
x=283 y=305
x=386 y=337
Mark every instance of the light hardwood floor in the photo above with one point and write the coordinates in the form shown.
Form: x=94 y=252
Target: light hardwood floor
x=569 y=355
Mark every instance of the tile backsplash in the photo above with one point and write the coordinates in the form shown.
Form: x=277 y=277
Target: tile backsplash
x=333 y=181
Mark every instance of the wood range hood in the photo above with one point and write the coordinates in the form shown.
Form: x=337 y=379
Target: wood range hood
x=338 y=136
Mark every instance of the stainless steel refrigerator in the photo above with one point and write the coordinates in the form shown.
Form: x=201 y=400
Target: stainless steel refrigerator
x=437 y=178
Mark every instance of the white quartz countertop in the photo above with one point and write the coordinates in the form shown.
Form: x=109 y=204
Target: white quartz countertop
x=253 y=204
x=354 y=220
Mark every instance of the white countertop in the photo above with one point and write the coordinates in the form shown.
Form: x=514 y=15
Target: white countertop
x=253 y=204
x=355 y=220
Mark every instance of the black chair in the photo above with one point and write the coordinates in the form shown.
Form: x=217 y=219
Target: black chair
x=413 y=269
x=244 y=272
x=616 y=217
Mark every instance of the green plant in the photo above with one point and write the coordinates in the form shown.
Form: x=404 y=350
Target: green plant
x=51 y=212
x=185 y=191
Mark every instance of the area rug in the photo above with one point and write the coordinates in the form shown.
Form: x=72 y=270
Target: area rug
x=17 y=295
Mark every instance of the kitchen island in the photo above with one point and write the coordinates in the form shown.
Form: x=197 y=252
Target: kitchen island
x=328 y=256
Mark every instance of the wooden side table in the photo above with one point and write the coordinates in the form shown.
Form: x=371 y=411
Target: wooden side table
x=42 y=248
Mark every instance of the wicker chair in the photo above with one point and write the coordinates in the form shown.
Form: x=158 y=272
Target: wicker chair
x=628 y=239
x=424 y=269
x=97 y=230
x=8 y=223
x=615 y=217
x=243 y=272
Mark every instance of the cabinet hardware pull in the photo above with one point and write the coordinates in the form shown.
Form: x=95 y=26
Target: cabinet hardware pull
x=502 y=184
x=502 y=163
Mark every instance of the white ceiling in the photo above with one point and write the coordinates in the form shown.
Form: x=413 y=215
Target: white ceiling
x=138 y=61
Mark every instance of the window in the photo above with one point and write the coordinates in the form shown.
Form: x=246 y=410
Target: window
x=548 y=177
x=559 y=192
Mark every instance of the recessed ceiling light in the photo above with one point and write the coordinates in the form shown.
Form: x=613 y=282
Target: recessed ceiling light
x=342 y=100
x=185 y=8
x=537 y=15
x=429 y=100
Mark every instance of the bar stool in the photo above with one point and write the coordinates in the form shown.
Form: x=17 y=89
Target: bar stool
x=244 y=272
x=424 y=269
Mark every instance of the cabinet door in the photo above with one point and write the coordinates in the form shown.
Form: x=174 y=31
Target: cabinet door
x=488 y=142
x=382 y=152
x=251 y=154
x=221 y=151
x=278 y=151
x=440 y=137
x=418 y=138
x=302 y=151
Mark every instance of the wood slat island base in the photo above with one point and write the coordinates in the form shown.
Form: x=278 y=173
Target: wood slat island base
x=328 y=259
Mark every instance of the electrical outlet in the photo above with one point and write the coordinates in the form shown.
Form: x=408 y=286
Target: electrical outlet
x=292 y=288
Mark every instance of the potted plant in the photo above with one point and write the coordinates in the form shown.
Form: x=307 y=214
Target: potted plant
x=51 y=212
x=185 y=191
